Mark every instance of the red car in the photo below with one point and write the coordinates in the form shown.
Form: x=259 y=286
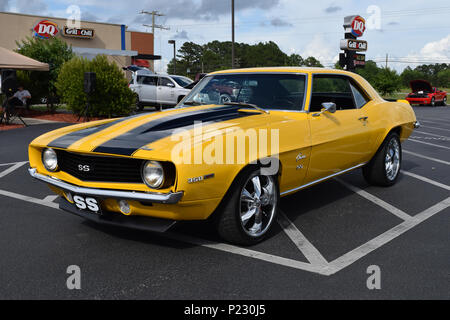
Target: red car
x=424 y=94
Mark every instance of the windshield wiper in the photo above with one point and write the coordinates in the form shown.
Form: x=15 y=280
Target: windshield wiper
x=246 y=105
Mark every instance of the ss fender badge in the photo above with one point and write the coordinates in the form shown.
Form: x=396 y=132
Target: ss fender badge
x=199 y=179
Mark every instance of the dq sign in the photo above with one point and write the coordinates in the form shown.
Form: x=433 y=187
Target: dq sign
x=358 y=26
x=45 y=29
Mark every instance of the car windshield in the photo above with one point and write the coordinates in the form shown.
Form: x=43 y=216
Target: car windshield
x=282 y=91
x=182 y=81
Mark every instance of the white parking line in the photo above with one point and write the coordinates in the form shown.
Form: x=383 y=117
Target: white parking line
x=29 y=199
x=395 y=211
x=425 y=157
x=324 y=270
x=9 y=164
x=50 y=198
x=430 y=144
x=436 y=128
x=363 y=250
x=431 y=134
x=307 y=249
x=425 y=179
x=12 y=169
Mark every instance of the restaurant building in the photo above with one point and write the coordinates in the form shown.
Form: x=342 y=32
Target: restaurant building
x=88 y=39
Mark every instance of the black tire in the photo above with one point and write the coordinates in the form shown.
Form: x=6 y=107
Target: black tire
x=433 y=102
x=444 y=101
x=228 y=222
x=375 y=171
x=139 y=105
x=179 y=99
x=225 y=97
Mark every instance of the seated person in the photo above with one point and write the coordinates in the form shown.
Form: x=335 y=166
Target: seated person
x=21 y=98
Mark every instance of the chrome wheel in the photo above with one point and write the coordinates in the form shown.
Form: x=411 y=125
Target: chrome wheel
x=258 y=202
x=392 y=160
x=224 y=98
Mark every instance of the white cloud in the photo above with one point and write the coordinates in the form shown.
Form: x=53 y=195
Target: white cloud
x=437 y=49
x=320 y=49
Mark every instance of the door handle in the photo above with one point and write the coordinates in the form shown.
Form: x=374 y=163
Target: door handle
x=363 y=118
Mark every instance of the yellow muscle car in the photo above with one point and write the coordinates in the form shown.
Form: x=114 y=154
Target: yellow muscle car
x=227 y=152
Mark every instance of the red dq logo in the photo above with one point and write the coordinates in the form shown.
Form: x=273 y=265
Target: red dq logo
x=358 y=26
x=45 y=29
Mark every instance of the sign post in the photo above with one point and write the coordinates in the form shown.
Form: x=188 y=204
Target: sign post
x=354 y=27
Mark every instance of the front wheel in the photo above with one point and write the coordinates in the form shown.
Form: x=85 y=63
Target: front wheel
x=384 y=168
x=250 y=208
x=433 y=102
x=444 y=101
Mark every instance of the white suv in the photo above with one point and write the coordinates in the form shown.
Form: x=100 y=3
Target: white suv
x=158 y=90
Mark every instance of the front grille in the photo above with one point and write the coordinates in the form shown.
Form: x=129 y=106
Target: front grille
x=102 y=169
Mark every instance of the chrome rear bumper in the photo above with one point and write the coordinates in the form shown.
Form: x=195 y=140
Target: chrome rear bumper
x=168 y=198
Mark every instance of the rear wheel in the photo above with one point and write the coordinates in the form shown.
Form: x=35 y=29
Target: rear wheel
x=250 y=208
x=138 y=104
x=384 y=168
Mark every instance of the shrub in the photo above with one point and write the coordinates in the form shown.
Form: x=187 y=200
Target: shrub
x=41 y=84
x=111 y=97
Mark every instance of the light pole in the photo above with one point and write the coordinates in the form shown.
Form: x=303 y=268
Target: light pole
x=232 y=35
x=174 y=56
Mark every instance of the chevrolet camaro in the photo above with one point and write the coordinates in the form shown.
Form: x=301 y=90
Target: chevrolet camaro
x=280 y=131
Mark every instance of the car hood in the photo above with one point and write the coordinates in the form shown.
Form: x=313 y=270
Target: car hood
x=420 y=85
x=126 y=136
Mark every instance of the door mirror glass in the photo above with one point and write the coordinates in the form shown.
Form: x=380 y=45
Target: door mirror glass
x=329 y=106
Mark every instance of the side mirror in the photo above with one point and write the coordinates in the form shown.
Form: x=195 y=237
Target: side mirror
x=326 y=107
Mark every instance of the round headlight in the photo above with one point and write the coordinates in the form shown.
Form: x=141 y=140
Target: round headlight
x=153 y=174
x=50 y=160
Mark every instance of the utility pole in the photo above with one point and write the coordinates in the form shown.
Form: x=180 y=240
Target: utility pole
x=154 y=26
x=386 y=60
x=232 y=35
x=174 y=56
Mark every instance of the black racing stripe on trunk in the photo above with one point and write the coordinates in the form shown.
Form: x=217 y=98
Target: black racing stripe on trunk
x=69 y=139
x=128 y=143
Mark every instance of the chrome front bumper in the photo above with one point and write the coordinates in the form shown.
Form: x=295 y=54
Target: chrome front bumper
x=168 y=198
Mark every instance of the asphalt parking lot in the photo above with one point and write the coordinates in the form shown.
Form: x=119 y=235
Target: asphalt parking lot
x=326 y=239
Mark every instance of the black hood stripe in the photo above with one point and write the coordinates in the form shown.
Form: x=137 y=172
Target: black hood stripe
x=130 y=142
x=67 y=140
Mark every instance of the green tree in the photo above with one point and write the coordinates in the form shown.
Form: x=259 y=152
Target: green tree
x=387 y=81
x=409 y=74
x=443 y=79
x=53 y=51
x=369 y=72
x=111 y=97
x=295 y=60
x=216 y=55
x=312 y=62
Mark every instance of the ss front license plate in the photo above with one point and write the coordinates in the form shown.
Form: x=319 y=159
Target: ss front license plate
x=87 y=204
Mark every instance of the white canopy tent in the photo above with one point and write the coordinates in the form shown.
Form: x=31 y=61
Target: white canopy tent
x=13 y=60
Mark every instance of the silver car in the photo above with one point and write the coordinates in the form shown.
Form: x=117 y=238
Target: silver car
x=158 y=90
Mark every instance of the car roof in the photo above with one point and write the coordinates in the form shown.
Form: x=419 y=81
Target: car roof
x=285 y=69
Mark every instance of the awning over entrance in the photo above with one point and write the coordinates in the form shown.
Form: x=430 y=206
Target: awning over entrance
x=13 y=60
x=108 y=52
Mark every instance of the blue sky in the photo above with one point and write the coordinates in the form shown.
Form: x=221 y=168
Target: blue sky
x=409 y=31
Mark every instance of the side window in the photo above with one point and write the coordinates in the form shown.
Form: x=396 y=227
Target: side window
x=331 y=88
x=164 y=82
x=360 y=99
x=149 y=81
